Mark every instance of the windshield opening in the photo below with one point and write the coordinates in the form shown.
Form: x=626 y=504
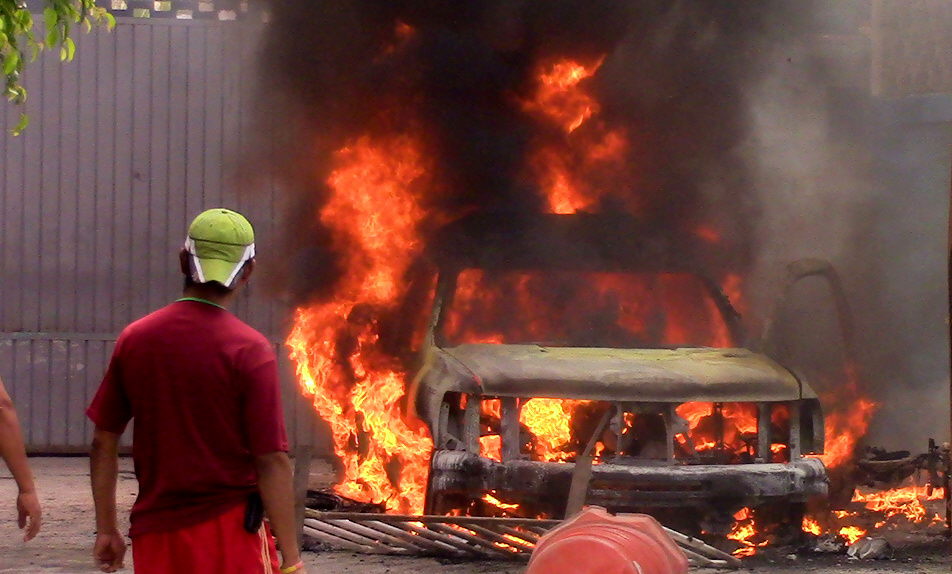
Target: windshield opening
x=584 y=309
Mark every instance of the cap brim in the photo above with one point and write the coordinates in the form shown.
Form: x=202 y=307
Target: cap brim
x=224 y=272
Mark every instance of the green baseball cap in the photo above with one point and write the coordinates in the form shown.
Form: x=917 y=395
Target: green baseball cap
x=219 y=242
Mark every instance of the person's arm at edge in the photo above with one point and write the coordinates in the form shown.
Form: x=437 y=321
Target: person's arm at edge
x=276 y=485
x=110 y=547
x=13 y=453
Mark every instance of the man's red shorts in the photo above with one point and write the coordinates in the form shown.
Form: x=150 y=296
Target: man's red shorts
x=218 y=545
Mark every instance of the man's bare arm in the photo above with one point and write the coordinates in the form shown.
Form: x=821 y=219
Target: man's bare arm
x=275 y=482
x=14 y=454
x=110 y=547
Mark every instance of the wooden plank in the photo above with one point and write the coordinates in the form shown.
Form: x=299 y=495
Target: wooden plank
x=123 y=282
x=59 y=388
x=368 y=545
x=94 y=363
x=49 y=124
x=212 y=115
x=178 y=191
x=76 y=399
x=229 y=106
x=28 y=269
x=510 y=429
x=526 y=535
x=435 y=518
x=21 y=387
x=517 y=544
x=103 y=218
x=463 y=534
x=425 y=545
x=40 y=378
x=87 y=147
x=795 y=431
x=388 y=539
x=457 y=543
x=484 y=545
x=195 y=117
x=764 y=411
x=70 y=292
x=685 y=541
x=582 y=472
x=161 y=250
x=140 y=277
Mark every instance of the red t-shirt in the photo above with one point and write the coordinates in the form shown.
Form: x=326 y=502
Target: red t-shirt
x=203 y=389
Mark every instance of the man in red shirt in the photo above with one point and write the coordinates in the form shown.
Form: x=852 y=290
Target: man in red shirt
x=209 y=443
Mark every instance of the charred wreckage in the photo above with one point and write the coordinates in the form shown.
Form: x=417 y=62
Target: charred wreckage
x=590 y=311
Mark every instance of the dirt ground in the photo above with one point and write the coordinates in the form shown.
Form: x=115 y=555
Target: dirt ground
x=64 y=544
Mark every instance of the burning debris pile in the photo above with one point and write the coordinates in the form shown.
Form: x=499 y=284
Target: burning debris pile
x=409 y=116
x=887 y=499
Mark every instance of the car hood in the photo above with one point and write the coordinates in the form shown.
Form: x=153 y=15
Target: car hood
x=644 y=375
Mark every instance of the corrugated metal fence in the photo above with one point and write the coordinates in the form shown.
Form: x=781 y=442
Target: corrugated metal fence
x=143 y=130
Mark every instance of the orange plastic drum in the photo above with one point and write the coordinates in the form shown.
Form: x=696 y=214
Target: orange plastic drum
x=596 y=542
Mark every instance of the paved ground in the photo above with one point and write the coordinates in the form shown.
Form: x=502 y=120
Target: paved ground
x=64 y=544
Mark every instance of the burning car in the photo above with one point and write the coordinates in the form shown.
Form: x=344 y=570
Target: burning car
x=583 y=346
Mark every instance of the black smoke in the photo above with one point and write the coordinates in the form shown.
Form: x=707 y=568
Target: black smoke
x=733 y=121
x=676 y=76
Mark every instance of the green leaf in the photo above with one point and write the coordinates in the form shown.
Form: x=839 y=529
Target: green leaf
x=110 y=21
x=25 y=19
x=3 y=40
x=16 y=94
x=10 y=62
x=67 y=50
x=88 y=24
x=52 y=37
x=50 y=18
x=21 y=125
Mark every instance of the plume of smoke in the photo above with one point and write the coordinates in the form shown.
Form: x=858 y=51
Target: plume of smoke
x=676 y=76
x=829 y=186
x=730 y=118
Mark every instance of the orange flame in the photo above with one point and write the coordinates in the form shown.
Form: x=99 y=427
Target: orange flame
x=550 y=421
x=844 y=429
x=744 y=530
x=498 y=503
x=811 y=526
x=564 y=167
x=559 y=97
x=848 y=414
x=903 y=501
x=372 y=214
x=852 y=534
x=739 y=427
x=490 y=446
